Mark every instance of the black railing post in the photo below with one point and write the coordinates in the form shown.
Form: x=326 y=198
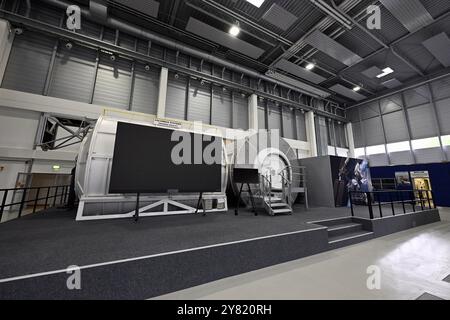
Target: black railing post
x=413 y=201
x=421 y=199
x=22 y=202
x=379 y=205
x=2 y=208
x=369 y=203
x=351 y=203
x=55 y=196
x=36 y=200
x=62 y=195
x=46 y=198
x=392 y=203
x=403 y=202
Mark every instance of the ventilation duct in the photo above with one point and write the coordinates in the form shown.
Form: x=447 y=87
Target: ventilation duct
x=346 y=92
x=148 y=7
x=99 y=10
x=298 y=84
x=279 y=17
x=412 y=14
x=298 y=71
x=332 y=48
x=391 y=84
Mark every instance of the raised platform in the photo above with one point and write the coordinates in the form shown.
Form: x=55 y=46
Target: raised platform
x=121 y=259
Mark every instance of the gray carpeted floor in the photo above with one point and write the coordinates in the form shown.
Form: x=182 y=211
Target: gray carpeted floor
x=52 y=239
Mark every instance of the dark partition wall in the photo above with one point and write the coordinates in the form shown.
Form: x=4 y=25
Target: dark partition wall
x=156 y=160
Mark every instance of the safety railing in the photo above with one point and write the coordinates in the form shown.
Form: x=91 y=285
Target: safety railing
x=396 y=201
x=43 y=197
x=266 y=188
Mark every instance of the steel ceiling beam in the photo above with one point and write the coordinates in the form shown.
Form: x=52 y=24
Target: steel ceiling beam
x=133 y=55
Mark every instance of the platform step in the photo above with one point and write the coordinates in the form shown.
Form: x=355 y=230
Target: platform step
x=349 y=239
x=278 y=211
x=278 y=204
x=345 y=228
x=333 y=222
x=273 y=199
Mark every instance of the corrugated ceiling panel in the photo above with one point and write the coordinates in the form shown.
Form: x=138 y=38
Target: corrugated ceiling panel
x=146 y=87
x=346 y=92
x=332 y=48
x=199 y=108
x=402 y=157
x=223 y=38
x=392 y=103
x=378 y=160
x=412 y=14
x=391 y=84
x=28 y=63
x=73 y=74
x=279 y=17
x=222 y=109
x=301 y=86
x=298 y=71
x=441 y=88
x=416 y=96
x=421 y=122
x=176 y=97
x=439 y=46
x=372 y=72
x=113 y=85
x=240 y=112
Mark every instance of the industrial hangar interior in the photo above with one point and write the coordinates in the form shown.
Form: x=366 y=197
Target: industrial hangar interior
x=225 y=149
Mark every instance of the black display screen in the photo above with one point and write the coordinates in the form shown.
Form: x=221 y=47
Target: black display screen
x=155 y=160
x=245 y=175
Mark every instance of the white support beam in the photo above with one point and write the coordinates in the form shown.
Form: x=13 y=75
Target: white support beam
x=350 y=139
x=6 y=40
x=311 y=133
x=253 y=112
x=162 y=95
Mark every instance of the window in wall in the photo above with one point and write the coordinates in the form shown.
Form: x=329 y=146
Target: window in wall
x=359 y=152
x=378 y=149
x=398 y=146
x=425 y=143
x=445 y=140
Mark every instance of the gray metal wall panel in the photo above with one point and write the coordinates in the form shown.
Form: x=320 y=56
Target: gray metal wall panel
x=391 y=104
x=428 y=155
x=274 y=118
x=443 y=112
x=28 y=63
x=289 y=123
x=369 y=110
x=240 y=111
x=395 y=127
x=261 y=117
x=417 y=96
x=421 y=122
x=199 y=108
x=441 y=88
x=222 y=108
x=176 y=97
x=113 y=85
x=402 y=157
x=73 y=74
x=358 y=136
x=301 y=126
x=341 y=138
x=373 y=132
x=146 y=87
x=378 y=160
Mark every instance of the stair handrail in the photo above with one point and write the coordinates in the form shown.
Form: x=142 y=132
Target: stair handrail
x=288 y=183
x=264 y=189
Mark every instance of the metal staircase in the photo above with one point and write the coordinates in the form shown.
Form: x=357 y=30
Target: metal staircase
x=280 y=200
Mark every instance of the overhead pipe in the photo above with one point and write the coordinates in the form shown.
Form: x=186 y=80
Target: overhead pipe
x=139 y=32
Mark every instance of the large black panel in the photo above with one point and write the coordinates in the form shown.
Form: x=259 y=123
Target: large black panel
x=143 y=162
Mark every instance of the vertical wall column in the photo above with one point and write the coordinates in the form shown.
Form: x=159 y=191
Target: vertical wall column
x=253 y=112
x=6 y=40
x=350 y=139
x=311 y=133
x=162 y=93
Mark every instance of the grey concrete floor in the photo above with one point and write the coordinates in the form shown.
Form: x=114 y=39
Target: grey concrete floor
x=410 y=263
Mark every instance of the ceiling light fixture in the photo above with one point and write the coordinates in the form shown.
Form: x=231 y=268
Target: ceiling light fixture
x=235 y=30
x=386 y=71
x=256 y=3
x=357 y=88
x=310 y=66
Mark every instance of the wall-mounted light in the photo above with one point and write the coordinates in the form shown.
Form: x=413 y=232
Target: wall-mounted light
x=235 y=29
x=112 y=57
x=176 y=76
x=56 y=167
x=147 y=67
x=357 y=88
